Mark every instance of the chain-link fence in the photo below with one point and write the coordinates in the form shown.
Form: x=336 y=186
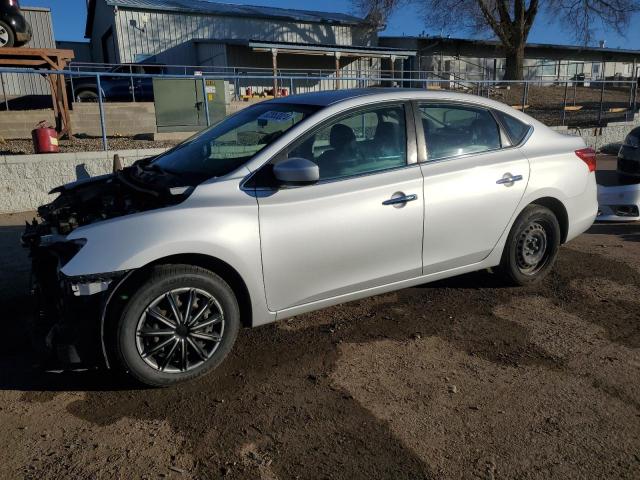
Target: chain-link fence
x=99 y=99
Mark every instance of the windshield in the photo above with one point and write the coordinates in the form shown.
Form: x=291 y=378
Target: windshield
x=228 y=145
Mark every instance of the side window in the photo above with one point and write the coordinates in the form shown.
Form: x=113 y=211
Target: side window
x=367 y=141
x=452 y=130
x=516 y=129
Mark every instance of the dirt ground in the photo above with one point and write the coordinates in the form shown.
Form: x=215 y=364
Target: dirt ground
x=459 y=379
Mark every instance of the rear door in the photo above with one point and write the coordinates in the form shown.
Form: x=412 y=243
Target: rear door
x=474 y=180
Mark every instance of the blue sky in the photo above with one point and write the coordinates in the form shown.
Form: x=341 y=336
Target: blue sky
x=69 y=18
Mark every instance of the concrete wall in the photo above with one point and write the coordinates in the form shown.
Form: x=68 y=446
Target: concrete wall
x=121 y=119
x=25 y=180
x=607 y=138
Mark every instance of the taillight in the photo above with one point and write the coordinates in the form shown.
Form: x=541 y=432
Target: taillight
x=588 y=156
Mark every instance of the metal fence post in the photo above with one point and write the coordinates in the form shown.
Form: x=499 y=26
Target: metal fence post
x=103 y=126
x=564 y=102
x=635 y=97
x=206 y=101
x=133 y=88
x=4 y=93
x=601 y=101
x=524 y=95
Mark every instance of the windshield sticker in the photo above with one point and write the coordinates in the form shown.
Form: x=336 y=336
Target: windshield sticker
x=276 y=116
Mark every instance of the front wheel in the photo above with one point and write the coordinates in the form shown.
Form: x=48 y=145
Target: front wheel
x=7 y=38
x=532 y=246
x=180 y=324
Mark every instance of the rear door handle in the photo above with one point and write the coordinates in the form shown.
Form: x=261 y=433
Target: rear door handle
x=398 y=199
x=508 y=179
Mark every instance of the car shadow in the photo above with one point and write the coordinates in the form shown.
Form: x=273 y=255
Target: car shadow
x=629 y=232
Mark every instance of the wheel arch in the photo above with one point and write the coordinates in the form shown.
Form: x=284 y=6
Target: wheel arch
x=559 y=210
x=128 y=284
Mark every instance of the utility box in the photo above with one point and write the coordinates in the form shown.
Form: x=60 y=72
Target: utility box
x=180 y=103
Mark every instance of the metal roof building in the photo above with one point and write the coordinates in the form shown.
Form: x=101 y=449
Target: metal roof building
x=484 y=59
x=124 y=31
x=224 y=36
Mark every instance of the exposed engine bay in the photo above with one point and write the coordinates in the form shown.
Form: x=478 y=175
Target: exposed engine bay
x=138 y=188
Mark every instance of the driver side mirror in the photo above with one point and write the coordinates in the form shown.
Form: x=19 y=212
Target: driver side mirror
x=296 y=171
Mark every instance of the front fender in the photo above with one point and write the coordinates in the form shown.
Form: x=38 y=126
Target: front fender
x=226 y=230
x=130 y=242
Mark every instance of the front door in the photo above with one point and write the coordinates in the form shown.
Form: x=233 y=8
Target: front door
x=360 y=226
x=473 y=182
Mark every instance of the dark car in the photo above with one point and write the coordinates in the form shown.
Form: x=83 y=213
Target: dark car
x=118 y=89
x=15 y=31
x=629 y=156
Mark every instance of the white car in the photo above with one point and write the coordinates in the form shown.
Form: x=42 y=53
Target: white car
x=293 y=205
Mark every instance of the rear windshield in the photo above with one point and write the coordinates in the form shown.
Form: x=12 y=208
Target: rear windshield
x=226 y=146
x=516 y=129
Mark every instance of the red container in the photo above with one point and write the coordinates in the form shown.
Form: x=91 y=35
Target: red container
x=45 y=139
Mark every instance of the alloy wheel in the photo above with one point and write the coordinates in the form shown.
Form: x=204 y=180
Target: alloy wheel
x=4 y=36
x=180 y=330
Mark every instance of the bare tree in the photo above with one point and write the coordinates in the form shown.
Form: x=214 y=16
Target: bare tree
x=510 y=20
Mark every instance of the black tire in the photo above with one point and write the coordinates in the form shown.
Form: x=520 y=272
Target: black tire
x=130 y=346
x=7 y=38
x=532 y=246
x=86 y=96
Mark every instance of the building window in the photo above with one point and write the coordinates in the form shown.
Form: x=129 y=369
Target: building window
x=547 y=67
x=574 y=69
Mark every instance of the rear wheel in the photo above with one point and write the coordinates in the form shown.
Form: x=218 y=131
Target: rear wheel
x=180 y=324
x=87 y=96
x=532 y=246
x=7 y=38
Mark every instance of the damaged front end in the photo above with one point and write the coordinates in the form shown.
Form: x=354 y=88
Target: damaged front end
x=66 y=324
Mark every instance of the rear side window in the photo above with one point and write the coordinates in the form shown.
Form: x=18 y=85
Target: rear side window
x=516 y=129
x=454 y=130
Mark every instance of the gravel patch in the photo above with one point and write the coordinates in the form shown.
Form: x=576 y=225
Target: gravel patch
x=25 y=147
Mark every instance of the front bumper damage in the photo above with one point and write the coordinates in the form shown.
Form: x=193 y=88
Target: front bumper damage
x=67 y=326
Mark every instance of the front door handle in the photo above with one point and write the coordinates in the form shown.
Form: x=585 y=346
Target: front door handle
x=399 y=199
x=508 y=179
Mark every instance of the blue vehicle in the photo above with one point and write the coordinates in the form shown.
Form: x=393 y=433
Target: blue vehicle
x=116 y=89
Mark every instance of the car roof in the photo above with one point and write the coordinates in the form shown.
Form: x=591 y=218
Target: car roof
x=368 y=95
x=329 y=97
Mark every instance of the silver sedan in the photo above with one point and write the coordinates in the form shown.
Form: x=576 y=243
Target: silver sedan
x=296 y=204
